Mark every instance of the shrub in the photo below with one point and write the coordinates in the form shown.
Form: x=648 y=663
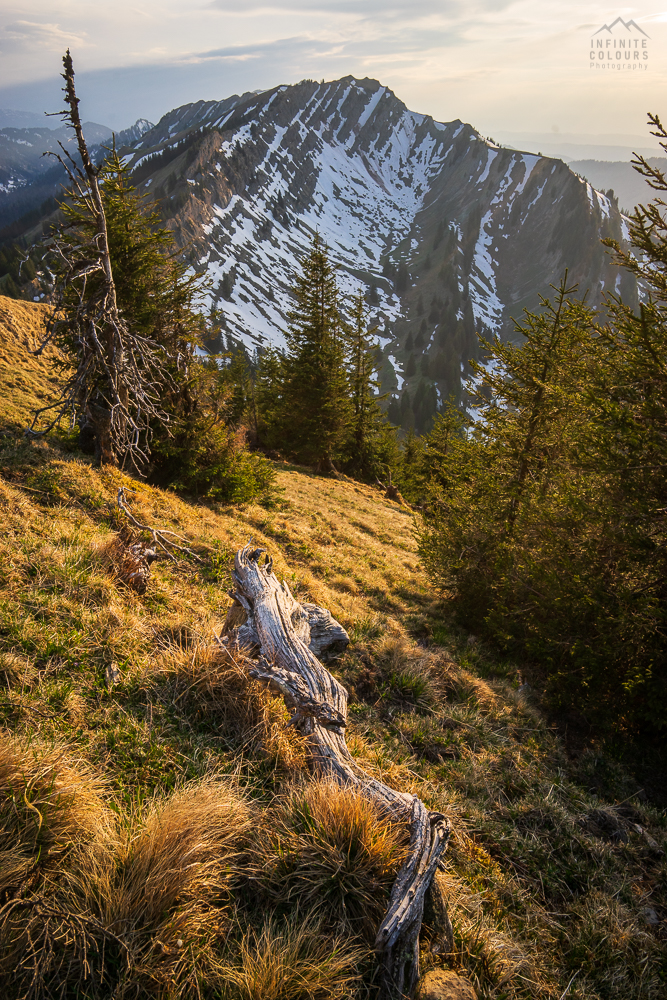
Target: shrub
x=200 y=453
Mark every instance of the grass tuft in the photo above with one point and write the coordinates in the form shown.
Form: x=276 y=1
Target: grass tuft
x=293 y=960
x=49 y=804
x=329 y=849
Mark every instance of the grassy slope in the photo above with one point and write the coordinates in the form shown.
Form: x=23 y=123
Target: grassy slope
x=25 y=381
x=542 y=885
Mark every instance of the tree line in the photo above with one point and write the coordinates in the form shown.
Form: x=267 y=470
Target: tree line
x=316 y=400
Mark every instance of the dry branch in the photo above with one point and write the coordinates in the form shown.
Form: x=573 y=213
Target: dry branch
x=280 y=629
x=159 y=535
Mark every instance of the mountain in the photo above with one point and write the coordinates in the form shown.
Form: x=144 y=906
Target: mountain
x=629 y=187
x=24 y=119
x=446 y=231
x=22 y=149
x=28 y=177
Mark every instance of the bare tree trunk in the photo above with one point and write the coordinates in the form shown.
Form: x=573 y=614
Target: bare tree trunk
x=286 y=634
x=100 y=416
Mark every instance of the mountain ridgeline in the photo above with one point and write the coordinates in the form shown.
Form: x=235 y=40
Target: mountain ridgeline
x=448 y=233
x=30 y=180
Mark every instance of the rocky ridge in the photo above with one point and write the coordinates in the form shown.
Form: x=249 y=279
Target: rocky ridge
x=447 y=233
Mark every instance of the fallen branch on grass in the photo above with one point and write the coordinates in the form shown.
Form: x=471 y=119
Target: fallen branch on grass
x=159 y=536
x=279 y=627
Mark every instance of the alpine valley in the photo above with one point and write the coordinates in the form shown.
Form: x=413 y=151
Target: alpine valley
x=448 y=232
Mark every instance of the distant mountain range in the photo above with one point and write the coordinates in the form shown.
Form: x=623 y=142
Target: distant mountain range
x=26 y=119
x=629 y=187
x=28 y=177
x=446 y=232
x=576 y=146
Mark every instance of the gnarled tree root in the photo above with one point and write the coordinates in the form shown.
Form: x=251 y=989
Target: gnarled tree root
x=287 y=636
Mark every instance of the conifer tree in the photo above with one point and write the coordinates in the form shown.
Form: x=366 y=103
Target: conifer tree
x=545 y=519
x=632 y=405
x=268 y=386
x=236 y=375
x=126 y=324
x=116 y=370
x=371 y=445
x=314 y=407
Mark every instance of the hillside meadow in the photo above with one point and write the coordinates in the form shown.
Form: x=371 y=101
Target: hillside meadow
x=160 y=835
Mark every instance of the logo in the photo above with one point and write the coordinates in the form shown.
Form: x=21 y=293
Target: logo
x=619 y=47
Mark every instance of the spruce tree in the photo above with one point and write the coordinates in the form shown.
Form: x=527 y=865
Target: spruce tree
x=154 y=289
x=315 y=408
x=268 y=397
x=371 y=445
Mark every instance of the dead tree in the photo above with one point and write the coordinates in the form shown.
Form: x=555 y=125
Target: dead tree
x=115 y=384
x=287 y=636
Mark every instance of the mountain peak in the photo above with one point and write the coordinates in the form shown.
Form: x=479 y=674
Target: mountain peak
x=446 y=232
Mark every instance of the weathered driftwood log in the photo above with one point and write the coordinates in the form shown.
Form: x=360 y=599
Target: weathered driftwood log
x=289 y=637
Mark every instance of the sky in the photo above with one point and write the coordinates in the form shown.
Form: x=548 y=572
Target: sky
x=502 y=66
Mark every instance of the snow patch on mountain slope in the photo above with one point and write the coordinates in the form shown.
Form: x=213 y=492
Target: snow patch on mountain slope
x=490 y=157
x=364 y=202
x=486 y=305
x=596 y=199
x=371 y=106
x=529 y=163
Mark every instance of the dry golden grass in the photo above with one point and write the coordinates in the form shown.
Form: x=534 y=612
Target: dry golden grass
x=146 y=907
x=210 y=683
x=329 y=850
x=49 y=804
x=164 y=896
x=26 y=382
x=294 y=960
x=185 y=853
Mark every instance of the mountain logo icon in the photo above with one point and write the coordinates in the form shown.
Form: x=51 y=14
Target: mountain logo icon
x=629 y=25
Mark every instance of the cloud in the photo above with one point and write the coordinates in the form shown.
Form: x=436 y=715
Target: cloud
x=45 y=34
x=366 y=10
